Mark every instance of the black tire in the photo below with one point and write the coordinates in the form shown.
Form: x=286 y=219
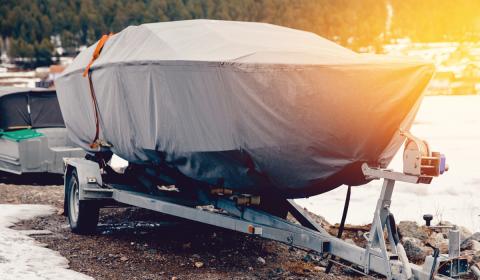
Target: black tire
x=82 y=215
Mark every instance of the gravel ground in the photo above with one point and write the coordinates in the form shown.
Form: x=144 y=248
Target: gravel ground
x=134 y=243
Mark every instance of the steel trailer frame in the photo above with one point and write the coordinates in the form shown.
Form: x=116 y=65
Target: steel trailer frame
x=307 y=235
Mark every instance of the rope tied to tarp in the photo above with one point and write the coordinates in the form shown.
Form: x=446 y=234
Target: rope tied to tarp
x=88 y=73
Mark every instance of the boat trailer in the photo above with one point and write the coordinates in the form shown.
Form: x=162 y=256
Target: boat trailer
x=86 y=192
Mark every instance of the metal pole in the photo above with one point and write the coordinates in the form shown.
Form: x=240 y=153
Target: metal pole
x=376 y=236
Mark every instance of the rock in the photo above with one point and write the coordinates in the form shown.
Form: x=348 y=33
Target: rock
x=476 y=258
x=467 y=242
x=278 y=271
x=261 y=260
x=414 y=248
x=196 y=256
x=438 y=240
x=174 y=278
x=464 y=233
x=124 y=259
x=476 y=236
x=435 y=239
x=412 y=229
x=307 y=258
x=469 y=255
x=198 y=264
x=319 y=269
x=470 y=244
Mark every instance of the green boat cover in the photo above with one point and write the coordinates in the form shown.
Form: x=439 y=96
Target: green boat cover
x=19 y=135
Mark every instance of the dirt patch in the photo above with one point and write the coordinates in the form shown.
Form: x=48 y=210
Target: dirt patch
x=134 y=243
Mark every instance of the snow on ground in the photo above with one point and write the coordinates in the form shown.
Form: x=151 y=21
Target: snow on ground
x=23 y=258
x=451 y=125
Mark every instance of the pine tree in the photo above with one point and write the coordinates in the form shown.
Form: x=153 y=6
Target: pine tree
x=43 y=53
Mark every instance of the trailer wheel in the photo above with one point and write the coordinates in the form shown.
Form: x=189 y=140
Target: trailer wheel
x=82 y=215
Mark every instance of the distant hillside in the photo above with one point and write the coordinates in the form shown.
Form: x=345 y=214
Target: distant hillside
x=31 y=29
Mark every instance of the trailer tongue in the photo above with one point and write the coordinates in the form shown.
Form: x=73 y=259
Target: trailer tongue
x=90 y=184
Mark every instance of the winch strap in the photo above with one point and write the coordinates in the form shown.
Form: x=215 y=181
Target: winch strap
x=94 y=143
x=96 y=54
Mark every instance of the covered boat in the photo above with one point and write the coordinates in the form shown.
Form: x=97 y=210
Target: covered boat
x=252 y=107
x=33 y=137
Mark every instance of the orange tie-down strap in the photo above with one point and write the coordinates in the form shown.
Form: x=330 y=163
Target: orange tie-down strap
x=96 y=141
x=97 y=51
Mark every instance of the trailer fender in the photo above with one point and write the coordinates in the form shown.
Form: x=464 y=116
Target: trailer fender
x=89 y=177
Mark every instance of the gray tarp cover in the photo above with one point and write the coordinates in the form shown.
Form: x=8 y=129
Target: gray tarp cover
x=252 y=106
x=29 y=107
